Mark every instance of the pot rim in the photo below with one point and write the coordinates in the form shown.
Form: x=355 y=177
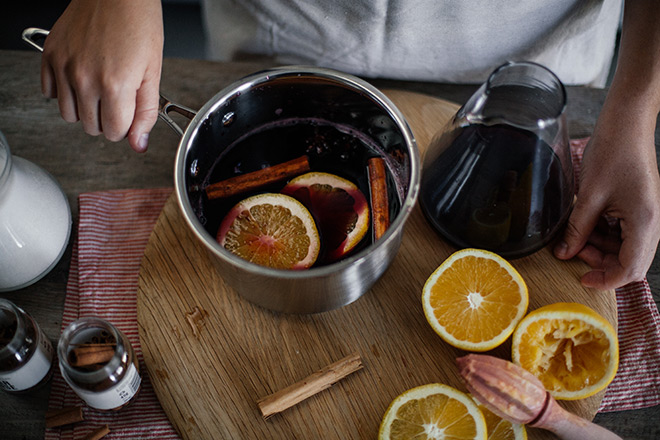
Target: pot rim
x=251 y=81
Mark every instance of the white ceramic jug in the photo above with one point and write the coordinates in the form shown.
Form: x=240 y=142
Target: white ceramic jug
x=35 y=221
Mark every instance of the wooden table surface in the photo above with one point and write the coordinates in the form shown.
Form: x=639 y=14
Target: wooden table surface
x=81 y=163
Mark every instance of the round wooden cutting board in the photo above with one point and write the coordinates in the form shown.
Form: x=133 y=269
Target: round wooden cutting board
x=212 y=355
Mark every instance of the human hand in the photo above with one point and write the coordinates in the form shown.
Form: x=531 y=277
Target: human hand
x=103 y=63
x=619 y=179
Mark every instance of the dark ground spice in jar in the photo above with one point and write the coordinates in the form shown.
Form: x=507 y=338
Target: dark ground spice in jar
x=8 y=325
x=7 y=328
x=25 y=352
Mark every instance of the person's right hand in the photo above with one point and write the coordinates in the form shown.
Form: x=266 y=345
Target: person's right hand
x=102 y=61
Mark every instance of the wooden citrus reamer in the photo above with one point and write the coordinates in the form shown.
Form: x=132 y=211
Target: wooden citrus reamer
x=517 y=395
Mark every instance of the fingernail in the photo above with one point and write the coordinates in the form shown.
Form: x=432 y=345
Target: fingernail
x=47 y=92
x=143 y=142
x=561 y=248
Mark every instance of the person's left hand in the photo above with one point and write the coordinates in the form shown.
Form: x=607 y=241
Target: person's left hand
x=619 y=179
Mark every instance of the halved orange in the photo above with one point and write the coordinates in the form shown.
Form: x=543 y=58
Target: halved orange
x=572 y=349
x=432 y=411
x=271 y=230
x=340 y=209
x=474 y=299
x=501 y=429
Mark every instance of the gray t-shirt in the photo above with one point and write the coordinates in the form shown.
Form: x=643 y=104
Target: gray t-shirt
x=433 y=40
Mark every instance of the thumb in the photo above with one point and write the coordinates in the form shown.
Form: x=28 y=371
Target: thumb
x=581 y=223
x=146 y=114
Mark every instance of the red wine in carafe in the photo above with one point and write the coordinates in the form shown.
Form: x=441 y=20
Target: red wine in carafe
x=496 y=187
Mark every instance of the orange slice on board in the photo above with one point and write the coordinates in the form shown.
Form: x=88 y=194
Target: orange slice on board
x=433 y=411
x=474 y=299
x=501 y=429
x=339 y=207
x=572 y=349
x=271 y=230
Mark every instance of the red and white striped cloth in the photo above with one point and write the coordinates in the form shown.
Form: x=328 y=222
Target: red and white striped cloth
x=637 y=382
x=113 y=231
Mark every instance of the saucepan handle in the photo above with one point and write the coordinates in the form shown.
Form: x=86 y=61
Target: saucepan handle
x=35 y=36
x=166 y=106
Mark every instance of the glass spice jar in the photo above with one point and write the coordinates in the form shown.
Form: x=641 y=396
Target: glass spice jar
x=99 y=364
x=26 y=354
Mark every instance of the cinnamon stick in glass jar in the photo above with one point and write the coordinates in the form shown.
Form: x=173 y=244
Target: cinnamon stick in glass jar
x=91 y=354
x=99 y=364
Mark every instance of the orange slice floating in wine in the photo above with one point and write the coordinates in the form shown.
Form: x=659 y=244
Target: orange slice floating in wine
x=272 y=230
x=340 y=209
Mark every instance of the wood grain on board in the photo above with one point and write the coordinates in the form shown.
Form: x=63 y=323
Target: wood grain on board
x=212 y=355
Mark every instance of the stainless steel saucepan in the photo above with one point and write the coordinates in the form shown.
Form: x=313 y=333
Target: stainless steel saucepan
x=262 y=98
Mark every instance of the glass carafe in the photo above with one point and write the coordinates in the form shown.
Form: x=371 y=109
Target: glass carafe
x=499 y=176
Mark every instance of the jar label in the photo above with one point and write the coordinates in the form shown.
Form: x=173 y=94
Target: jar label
x=32 y=372
x=114 y=397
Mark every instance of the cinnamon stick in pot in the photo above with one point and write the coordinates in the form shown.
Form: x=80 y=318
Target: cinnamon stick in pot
x=380 y=210
x=256 y=179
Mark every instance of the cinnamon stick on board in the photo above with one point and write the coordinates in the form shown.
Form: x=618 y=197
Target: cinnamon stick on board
x=312 y=384
x=380 y=210
x=64 y=416
x=250 y=181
